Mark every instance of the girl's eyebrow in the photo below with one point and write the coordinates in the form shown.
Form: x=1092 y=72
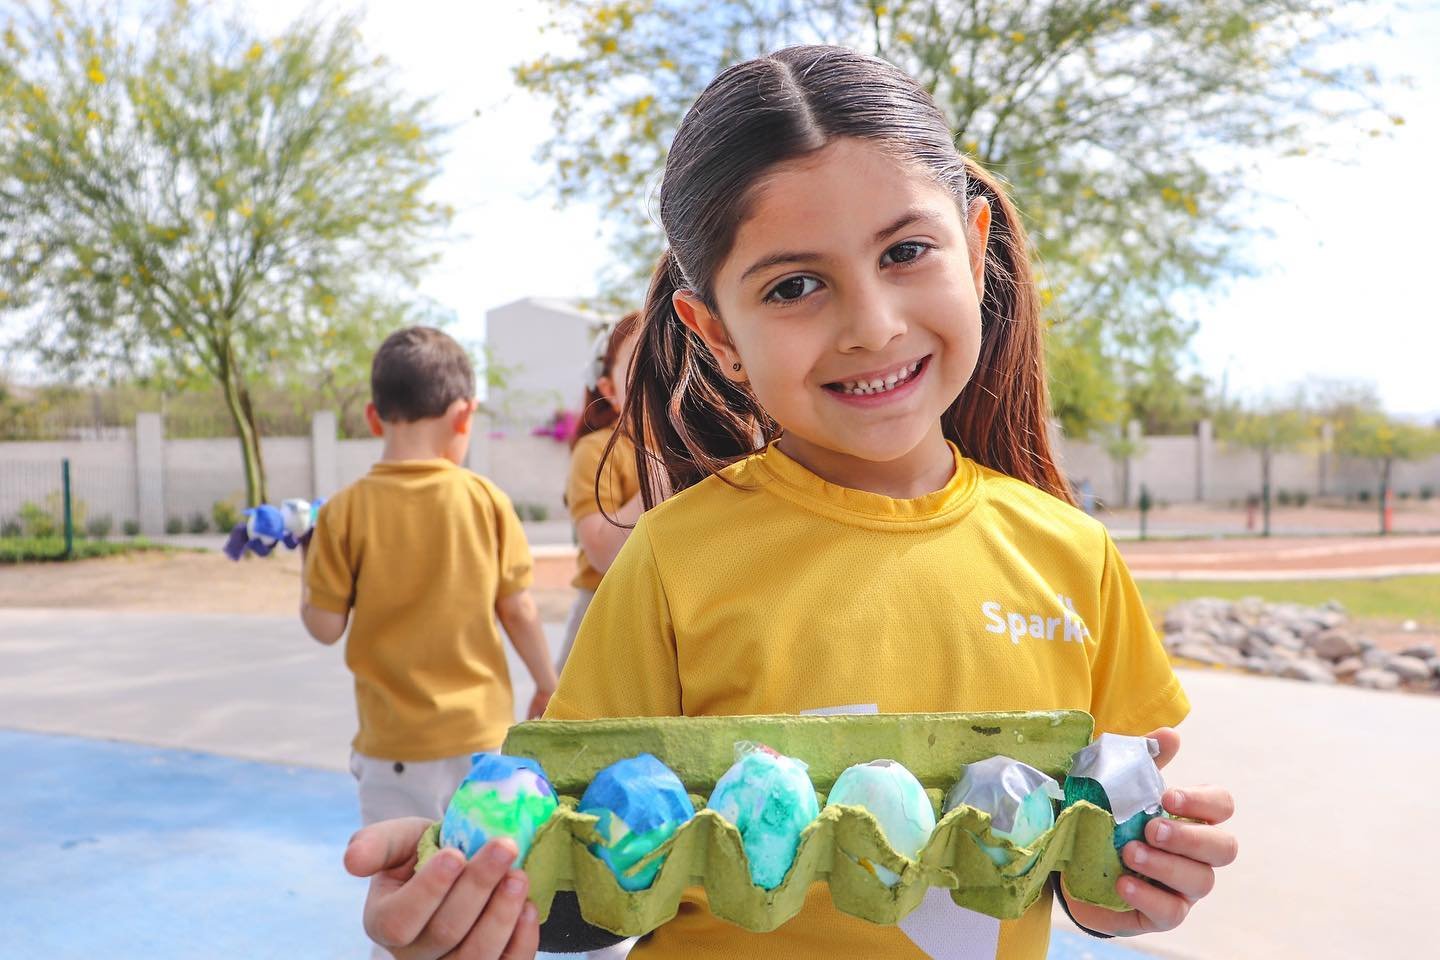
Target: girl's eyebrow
x=906 y=219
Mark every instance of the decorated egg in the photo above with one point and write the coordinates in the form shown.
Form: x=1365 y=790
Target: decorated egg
x=1118 y=774
x=501 y=797
x=1018 y=798
x=771 y=800
x=640 y=804
x=896 y=800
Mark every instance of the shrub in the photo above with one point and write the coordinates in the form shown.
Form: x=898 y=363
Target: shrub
x=1363 y=496
x=31 y=549
x=10 y=527
x=131 y=528
x=36 y=521
x=225 y=515
x=1301 y=498
x=1427 y=492
x=174 y=525
x=199 y=523
x=99 y=527
x=1283 y=498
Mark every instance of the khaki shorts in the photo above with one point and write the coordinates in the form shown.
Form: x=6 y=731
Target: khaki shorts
x=404 y=788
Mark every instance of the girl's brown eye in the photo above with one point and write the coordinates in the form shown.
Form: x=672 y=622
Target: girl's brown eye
x=907 y=252
x=792 y=288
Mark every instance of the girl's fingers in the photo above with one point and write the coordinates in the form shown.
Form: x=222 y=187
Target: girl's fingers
x=395 y=918
x=1196 y=841
x=489 y=937
x=526 y=939
x=384 y=846
x=1189 y=878
x=1207 y=804
x=456 y=917
x=1158 y=909
x=1169 y=745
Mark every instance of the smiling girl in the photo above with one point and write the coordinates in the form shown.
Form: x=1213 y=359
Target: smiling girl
x=840 y=373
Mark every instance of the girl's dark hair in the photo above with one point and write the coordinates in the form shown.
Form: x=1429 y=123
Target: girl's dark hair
x=597 y=412
x=689 y=420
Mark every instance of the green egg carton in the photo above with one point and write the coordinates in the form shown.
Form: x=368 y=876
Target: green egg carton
x=707 y=851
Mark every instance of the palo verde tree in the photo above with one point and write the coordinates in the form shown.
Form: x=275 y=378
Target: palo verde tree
x=186 y=197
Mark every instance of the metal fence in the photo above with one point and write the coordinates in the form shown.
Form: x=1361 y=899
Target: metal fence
x=50 y=504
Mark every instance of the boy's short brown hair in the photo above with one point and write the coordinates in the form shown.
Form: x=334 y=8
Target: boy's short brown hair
x=417 y=373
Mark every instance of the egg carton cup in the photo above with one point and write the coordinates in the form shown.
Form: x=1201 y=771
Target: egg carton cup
x=708 y=851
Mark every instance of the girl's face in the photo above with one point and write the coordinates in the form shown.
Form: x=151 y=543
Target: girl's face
x=850 y=299
x=615 y=386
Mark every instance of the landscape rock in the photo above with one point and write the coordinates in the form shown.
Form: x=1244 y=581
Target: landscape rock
x=1348 y=667
x=1409 y=668
x=1373 y=678
x=1335 y=645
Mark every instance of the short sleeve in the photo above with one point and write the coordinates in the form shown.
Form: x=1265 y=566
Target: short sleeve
x=329 y=575
x=517 y=570
x=623 y=663
x=1133 y=688
x=584 y=467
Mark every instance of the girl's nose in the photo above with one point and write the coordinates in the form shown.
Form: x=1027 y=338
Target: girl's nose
x=869 y=320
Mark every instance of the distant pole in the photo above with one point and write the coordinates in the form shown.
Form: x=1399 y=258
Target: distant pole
x=69 y=515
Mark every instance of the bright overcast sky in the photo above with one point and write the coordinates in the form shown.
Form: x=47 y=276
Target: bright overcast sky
x=1347 y=269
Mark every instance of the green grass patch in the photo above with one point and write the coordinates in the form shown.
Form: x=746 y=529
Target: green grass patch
x=1382 y=598
x=41 y=549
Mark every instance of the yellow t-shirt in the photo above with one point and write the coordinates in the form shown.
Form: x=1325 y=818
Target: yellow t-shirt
x=786 y=594
x=422 y=549
x=618 y=487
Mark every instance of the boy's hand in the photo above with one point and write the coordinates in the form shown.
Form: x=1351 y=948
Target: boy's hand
x=451 y=908
x=538 y=703
x=1180 y=858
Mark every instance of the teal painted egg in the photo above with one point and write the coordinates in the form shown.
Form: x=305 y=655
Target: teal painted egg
x=771 y=800
x=896 y=800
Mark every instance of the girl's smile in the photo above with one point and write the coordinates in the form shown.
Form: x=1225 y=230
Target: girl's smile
x=877 y=387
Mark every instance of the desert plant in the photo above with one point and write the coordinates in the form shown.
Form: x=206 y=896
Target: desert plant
x=199 y=523
x=225 y=514
x=99 y=527
x=131 y=528
x=174 y=525
x=37 y=522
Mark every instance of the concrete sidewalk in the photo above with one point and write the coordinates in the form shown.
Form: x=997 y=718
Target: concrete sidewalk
x=1308 y=884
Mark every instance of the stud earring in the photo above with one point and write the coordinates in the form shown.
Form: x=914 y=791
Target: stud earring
x=735 y=367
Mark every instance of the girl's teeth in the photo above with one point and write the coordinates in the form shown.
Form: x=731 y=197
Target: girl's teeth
x=880 y=385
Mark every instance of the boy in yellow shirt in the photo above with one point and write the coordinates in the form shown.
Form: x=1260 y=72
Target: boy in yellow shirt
x=421 y=557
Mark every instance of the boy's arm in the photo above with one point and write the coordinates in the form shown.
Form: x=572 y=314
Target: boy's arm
x=521 y=620
x=326 y=620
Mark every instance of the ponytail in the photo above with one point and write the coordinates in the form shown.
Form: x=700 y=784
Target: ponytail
x=1001 y=418
x=686 y=419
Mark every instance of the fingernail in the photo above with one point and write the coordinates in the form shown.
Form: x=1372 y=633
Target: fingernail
x=1177 y=800
x=449 y=866
x=527 y=915
x=1162 y=831
x=515 y=885
x=498 y=853
x=1139 y=854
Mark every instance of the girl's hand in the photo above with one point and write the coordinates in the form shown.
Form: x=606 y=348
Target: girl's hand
x=451 y=908
x=538 y=703
x=1180 y=858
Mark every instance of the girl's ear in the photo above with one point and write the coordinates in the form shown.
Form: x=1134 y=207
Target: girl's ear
x=372 y=420
x=606 y=388
x=977 y=238
x=693 y=312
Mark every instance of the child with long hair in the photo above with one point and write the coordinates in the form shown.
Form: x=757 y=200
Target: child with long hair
x=841 y=376
x=603 y=493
